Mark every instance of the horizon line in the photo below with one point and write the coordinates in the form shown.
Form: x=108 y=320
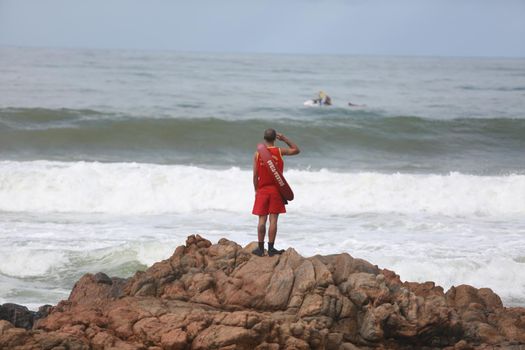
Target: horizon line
x=171 y=50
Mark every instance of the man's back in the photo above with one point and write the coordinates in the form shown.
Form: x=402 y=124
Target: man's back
x=266 y=180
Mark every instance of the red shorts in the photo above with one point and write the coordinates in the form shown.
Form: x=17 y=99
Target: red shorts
x=268 y=202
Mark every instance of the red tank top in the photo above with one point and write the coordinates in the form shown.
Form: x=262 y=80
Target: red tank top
x=265 y=178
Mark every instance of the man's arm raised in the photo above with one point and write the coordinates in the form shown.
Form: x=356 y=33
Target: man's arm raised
x=255 y=171
x=292 y=150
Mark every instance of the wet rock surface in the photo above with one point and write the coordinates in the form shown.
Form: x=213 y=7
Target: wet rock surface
x=20 y=316
x=220 y=296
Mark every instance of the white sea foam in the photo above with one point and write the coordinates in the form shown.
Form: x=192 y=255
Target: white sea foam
x=30 y=263
x=130 y=188
x=504 y=275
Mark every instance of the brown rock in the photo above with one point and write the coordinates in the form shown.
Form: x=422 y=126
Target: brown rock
x=95 y=291
x=148 y=328
x=4 y=326
x=490 y=299
x=323 y=277
x=348 y=346
x=462 y=296
x=220 y=336
x=511 y=323
x=363 y=287
x=280 y=285
x=372 y=325
x=296 y=344
x=195 y=327
x=175 y=339
x=425 y=290
x=488 y=334
x=267 y=346
x=18 y=315
x=103 y=340
x=121 y=320
x=334 y=341
x=220 y=296
x=312 y=305
x=462 y=345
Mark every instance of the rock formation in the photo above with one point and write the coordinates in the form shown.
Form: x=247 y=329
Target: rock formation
x=221 y=296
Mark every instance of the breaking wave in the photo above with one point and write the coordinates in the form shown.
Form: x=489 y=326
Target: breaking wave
x=130 y=188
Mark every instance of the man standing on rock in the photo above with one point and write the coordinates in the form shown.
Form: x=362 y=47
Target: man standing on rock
x=268 y=200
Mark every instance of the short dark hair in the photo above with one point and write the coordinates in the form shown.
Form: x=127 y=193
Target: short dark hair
x=270 y=135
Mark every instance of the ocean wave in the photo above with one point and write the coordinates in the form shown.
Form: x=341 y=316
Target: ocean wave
x=30 y=263
x=130 y=188
x=93 y=135
x=20 y=117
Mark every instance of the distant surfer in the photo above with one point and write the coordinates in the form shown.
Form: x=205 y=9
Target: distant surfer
x=355 y=105
x=323 y=99
x=268 y=199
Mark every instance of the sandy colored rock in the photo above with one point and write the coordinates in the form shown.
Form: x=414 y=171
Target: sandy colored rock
x=5 y=326
x=220 y=336
x=175 y=339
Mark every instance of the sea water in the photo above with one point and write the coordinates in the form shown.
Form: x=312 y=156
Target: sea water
x=109 y=159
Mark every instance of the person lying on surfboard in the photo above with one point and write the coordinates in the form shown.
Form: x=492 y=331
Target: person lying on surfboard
x=323 y=99
x=268 y=198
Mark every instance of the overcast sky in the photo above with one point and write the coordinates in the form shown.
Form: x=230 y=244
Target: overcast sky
x=402 y=27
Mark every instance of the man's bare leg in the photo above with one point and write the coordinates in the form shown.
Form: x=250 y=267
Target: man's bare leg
x=261 y=232
x=261 y=227
x=272 y=233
